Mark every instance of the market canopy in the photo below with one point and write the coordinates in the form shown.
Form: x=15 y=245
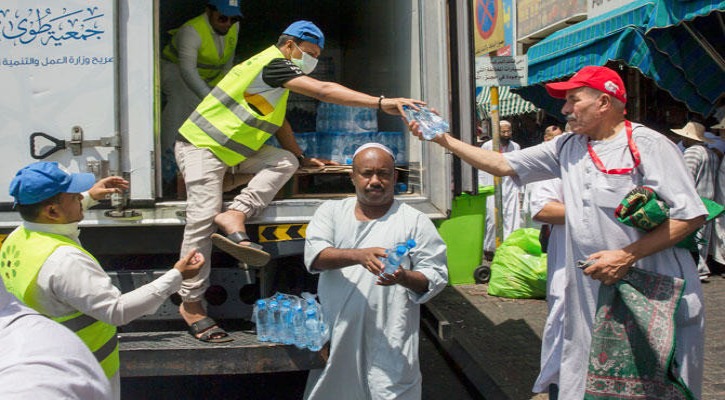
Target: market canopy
x=677 y=43
x=509 y=103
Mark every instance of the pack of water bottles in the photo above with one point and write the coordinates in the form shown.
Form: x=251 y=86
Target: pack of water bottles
x=289 y=319
x=306 y=140
x=431 y=124
x=339 y=118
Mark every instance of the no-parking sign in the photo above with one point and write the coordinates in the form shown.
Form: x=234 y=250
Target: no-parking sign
x=489 y=20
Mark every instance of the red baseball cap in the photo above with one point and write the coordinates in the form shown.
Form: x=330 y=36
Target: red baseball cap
x=602 y=79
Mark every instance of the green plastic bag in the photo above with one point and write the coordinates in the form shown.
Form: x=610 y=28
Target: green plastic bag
x=518 y=269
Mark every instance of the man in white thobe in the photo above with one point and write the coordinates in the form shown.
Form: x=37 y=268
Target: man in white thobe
x=547 y=207
x=510 y=192
x=607 y=157
x=374 y=318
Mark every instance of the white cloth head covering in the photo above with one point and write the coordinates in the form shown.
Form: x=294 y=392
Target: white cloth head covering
x=376 y=146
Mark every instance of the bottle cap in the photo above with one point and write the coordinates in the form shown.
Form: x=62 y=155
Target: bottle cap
x=401 y=250
x=261 y=303
x=410 y=243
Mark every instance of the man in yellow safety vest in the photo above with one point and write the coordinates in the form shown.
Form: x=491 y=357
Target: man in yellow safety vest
x=44 y=265
x=229 y=128
x=197 y=57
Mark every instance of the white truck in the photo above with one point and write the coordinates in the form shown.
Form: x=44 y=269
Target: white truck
x=80 y=86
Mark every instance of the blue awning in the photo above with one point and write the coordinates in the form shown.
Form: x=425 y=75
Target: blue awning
x=657 y=37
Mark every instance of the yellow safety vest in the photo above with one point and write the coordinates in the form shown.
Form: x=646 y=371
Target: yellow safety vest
x=22 y=254
x=208 y=63
x=225 y=123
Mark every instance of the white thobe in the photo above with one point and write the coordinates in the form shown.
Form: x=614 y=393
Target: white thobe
x=510 y=199
x=40 y=359
x=552 y=339
x=374 y=335
x=591 y=198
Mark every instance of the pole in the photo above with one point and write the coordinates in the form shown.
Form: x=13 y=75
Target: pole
x=496 y=137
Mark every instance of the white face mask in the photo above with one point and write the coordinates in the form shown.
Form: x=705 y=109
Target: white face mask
x=307 y=63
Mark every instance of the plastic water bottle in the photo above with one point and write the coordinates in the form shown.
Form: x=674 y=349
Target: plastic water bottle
x=312 y=331
x=395 y=256
x=431 y=124
x=287 y=329
x=262 y=321
x=274 y=325
x=298 y=323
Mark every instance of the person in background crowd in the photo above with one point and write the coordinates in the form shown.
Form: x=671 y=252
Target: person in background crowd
x=551 y=132
x=702 y=163
x=197 y=57
x=547 y=207
x=510 y=193
x=45 y=266
x=605 y=159
x=229 y=128
x=718 y=229
x=374 y=317
x=40 y=359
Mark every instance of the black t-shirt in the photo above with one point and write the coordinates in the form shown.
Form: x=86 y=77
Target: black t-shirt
x=280 y=71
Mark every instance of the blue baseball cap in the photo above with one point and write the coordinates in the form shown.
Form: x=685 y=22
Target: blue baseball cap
x=306 y=31
x=42 y=180
x=230 y=8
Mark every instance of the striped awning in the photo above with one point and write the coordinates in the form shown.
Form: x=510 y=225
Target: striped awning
x=509 y=103
x=660 y=38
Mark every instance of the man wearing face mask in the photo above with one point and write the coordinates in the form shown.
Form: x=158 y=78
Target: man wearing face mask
x=229 y=128
x=198 y=56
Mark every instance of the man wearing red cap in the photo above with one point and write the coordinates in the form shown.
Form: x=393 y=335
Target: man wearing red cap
x=599 y=163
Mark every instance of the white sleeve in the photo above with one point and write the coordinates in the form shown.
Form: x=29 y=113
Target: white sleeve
x=544 y=192
x=536 y=163
x=320 y=233
x=429 y=258
x=187 y=43
x=77 y=280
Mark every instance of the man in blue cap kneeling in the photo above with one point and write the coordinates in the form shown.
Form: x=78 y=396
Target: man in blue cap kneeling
x=45 y=266
x=229 y=128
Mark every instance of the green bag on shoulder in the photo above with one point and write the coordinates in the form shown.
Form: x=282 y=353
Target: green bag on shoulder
x=642 y=209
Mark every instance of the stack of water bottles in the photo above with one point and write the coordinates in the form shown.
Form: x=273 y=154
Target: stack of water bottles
x=431 y=124
x=395 y=256
x=342 y=129
x=289 y=319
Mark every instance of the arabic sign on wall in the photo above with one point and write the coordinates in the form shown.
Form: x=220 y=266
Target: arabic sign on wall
x=488 y=31
x=57 y=70
x=533 y=15
x=502 y=71
x=598 y=7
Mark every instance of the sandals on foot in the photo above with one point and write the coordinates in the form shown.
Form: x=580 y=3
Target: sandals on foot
x=209 y=330
x=250 y=253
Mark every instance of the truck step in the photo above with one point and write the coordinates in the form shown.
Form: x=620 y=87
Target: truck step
x=176 y=353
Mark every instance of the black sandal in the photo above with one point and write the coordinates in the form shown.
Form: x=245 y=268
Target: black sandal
x=209 y=331
x=250 y=252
